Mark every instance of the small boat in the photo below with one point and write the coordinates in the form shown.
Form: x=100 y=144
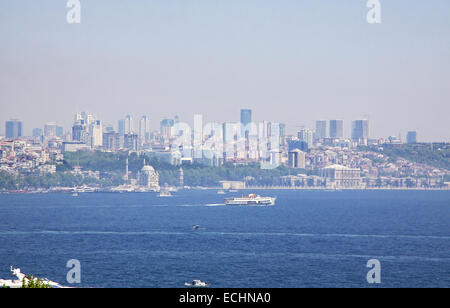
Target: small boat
x=196 y=284
x=196 y=227
x=251 y=199
x=220 y=192
x=165 y=193
x=75 y=194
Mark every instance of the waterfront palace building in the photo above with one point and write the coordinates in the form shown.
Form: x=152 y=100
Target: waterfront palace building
x=337 y=176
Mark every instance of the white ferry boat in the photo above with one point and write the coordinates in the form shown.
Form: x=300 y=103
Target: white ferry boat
x=251 y=199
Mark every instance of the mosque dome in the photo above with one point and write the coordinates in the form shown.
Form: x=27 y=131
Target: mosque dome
x=148 y=169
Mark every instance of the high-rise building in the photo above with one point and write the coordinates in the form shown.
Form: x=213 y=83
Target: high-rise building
x=111 y=141
x=144 y=130
x=360 y=130
x=129 y=125
x=166 y=126
x=108 y=128
x=96 y=134
x=50 y=130
x=306 y=135
x=337 y=129
x=13 y=129
x=321 y=130
x=59 y=131
x=282 y=134
x=411 y=137
x=121 y=127
x=130 y=142
x=84 y=127
x=231 y=134
x=37 y=132
x=86 y=117
x=246 y=116
x=297 y=159
x=298 y=144
x=79 y=132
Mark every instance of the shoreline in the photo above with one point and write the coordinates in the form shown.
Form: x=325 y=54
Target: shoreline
x=234 y=190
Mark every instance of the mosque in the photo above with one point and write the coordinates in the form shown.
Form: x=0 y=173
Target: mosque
x=149 y=178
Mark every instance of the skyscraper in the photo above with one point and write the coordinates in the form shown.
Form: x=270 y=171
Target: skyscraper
x=83 y=128
x=108 y=128
x=50 y=130
x=59 y=131
x=144 y=129
x=246 y=118
x=321 y=130
x=166 y=126
x=297 y=159
x=79 y=132
x=129 y=125
x=306 y=135
x=131 y=142
x=111 y=141
x=337 y=129
x=37 y=132
x=121 y=127
x=13 y=129
x=360 y=130
x=282 y=133
x=96 y=134
x=411 y=137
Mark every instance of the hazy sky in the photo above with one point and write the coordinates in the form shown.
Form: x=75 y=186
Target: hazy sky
x=290 y=61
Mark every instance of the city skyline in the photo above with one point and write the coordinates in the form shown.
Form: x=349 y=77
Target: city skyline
x=141 y=126
x=289 y=62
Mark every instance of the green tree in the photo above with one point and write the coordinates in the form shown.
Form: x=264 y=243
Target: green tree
x=34 y=283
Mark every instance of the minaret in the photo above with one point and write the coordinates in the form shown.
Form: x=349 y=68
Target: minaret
x=181 y=184
x=126 y=172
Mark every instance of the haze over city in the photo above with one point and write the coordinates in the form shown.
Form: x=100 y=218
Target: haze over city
x=287 y=61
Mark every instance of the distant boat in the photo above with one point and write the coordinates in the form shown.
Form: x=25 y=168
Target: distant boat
x=220 y=192
x=251 y=199
x=165 y=193
x=196 y=284
x=75 y=194
x=196 y=227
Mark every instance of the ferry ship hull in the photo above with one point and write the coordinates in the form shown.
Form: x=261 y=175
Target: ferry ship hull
x=251 y=201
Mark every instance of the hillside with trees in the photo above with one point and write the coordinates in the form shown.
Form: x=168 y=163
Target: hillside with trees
x=432 y=154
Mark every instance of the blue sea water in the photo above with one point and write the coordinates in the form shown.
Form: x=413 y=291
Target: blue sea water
x=309 y=239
